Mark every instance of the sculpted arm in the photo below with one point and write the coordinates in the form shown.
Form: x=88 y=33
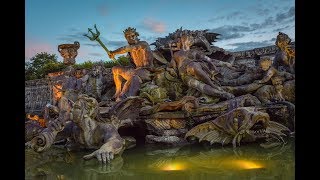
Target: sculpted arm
x=125 y=49
x=215 y=62
x=112 y=144
x=287 y=75
x=268 y=76
x=172 y=67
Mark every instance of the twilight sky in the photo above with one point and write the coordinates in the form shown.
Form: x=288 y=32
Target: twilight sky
x=243 y=24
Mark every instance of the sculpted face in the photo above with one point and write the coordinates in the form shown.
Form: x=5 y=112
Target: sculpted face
x=131 y=37
x=282 y=39
x=85 y=105
x=265 y=64
x=185 y=42
x=277 y=82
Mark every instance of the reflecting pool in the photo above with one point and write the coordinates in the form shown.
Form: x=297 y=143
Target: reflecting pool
x=248 y=161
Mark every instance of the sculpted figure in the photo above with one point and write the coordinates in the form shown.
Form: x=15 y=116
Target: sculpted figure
x=202 y=40
x=196 y=70
x=94 y=82
x=269 y=73
x=142 y=59
x=285 y=55
x=56 y=117
x=249 y=76
x=271 y=93
x=243 y=124
x=70 y=88
x=89 y=130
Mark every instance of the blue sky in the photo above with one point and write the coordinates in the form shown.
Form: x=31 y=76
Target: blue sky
x=243 y=24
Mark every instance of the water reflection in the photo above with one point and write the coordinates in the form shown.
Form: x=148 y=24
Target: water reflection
x=154 y=162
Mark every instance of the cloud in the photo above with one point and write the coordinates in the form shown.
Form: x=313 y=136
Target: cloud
x=78 y=36
x=92 y=45
x=96 y=54
x=263 y=12
x=34 y=47
x=73 y=29
x=282 y=16
x=103 y=10
x=153 y=25
x=149 y=39
x=230 y=16
x=117 y=43
x=283 y=28
x=249 y=45
x=231 y=32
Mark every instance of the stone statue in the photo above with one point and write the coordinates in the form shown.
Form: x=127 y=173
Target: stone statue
x=142 y=59
x=91 y=131
x=200 y=94
x=270 y=72
x=266 y=65
x=94 y=82
x=201 y=40
x=285 y=55
x=195 y=72
x=69 y=52
x=244 y=124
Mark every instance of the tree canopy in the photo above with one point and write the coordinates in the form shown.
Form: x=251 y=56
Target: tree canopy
x=43 y=63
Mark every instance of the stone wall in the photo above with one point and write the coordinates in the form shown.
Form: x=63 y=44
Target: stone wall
x=263 y=51
x=37 y=94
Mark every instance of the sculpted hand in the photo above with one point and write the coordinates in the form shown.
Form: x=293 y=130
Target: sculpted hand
x=106 y=152
x=111 y=55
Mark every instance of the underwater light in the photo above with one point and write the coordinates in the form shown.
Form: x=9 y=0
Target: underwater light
x=245 y=164
x=173 y=167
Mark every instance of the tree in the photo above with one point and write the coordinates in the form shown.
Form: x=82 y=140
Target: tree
x=42 y=64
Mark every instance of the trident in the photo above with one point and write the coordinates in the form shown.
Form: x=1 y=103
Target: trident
x=95 y=37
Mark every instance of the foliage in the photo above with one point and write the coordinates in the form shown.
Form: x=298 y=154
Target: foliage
x=84 y=65
x=43 y=63
x=122 y=60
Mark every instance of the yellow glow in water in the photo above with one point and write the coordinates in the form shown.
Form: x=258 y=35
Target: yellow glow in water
x=173 y=167
x=244 y=164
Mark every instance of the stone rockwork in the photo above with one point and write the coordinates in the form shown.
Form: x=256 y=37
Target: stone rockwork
x=249 y=57
x=40 y=92
x=37 y=94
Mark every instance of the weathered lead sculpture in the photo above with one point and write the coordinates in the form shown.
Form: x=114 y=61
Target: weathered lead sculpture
x=201 y=93
x=285 y=56
x=69 y=52
x=195 y=73
x=142 y=59
x=89 y=130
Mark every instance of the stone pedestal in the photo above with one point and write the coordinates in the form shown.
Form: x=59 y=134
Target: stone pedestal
x=69 y=52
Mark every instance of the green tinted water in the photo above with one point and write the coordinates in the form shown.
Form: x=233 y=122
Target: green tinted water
x=158 y=162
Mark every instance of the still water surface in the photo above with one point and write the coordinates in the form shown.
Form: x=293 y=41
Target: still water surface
x=158 y=162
